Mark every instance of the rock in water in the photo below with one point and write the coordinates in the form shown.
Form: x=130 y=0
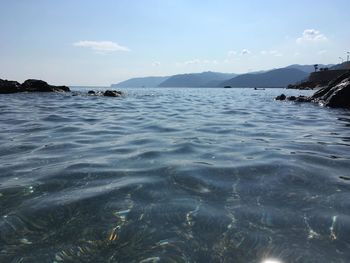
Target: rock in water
x=34 y=85
x=112 y=93
x=336 y=94
x=30 y=85
x=281 y=97
x=8 y=86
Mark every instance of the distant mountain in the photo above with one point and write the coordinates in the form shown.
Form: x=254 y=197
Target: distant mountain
x=140 y=82
x=273 y=78
x=309 y=68
x=204 y=79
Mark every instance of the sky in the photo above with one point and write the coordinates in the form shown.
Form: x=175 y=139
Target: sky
x=85 y=42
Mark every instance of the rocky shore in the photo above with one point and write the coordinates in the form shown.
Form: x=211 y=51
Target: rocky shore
x=305 y=85
x=336 y=94
x=35 y=85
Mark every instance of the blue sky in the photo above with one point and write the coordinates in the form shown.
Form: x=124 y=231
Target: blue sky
x=85 y=42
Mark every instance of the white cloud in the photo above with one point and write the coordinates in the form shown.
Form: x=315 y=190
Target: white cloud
x=101 y=46
x=191 y=62
x=245 y=52
x=322 y=52
x=311 y=36
x=156 y=64
x=274 y=53
x=198 y=62
x=232 y=53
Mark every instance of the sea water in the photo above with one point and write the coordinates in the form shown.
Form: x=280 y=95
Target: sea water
x=173 y=175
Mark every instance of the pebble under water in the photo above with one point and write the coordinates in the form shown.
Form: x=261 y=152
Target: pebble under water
x=173 y=175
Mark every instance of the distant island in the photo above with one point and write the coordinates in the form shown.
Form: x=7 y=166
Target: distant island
x=273 y=78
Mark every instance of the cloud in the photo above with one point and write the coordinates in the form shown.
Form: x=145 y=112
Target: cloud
x=198 y=62
x=232 y=53
x=156 y=64
x=101 y=46
x=245 y=52
x=191 y=62
x=274 y=53
x=322 y=52
x=311 y=36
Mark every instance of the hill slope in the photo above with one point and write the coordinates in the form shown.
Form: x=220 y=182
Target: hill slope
x=140 y=82
x=274 y=78
x=204 y=79
x=344 y=65
x=308 y=68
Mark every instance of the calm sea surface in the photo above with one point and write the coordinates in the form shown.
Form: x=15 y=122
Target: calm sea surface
x=173 y=175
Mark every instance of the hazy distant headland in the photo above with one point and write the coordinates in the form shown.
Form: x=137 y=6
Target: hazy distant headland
x=273 y=78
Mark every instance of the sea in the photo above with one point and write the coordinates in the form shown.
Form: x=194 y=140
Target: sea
x=173 y=175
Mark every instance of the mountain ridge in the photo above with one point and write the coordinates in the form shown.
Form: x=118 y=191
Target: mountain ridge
x=152 y=81
x=217 y=79
x=273 y=78
x=204 y=79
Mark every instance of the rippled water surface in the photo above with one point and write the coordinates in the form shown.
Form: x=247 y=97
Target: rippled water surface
x=173 y=175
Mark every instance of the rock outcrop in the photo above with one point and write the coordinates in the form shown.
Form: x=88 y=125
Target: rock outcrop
x=9 y=86
x=281 y=97
x=30 y=85
x=336 y=94
x=106 y=93
x=112 y=93
x=305 y=85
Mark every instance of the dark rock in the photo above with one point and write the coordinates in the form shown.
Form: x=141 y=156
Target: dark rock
x=340 y=97
x=112 y=93
x=91 y=92
x=9 y=86
x=34 y=85
x=303 y=99
x=227 y=87
x=306 y=85
x=30 y=85
x=281 y=97
x=336 y=94
x=299 y=98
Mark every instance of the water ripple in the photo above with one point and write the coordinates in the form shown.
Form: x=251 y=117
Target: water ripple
x=173 y=175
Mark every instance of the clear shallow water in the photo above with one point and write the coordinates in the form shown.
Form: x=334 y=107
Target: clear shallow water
x=173 y=175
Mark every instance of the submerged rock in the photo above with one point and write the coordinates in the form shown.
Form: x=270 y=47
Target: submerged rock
x=30 y=85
